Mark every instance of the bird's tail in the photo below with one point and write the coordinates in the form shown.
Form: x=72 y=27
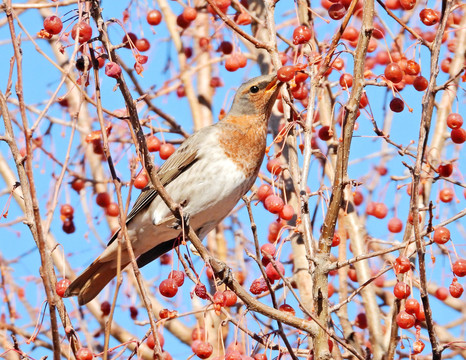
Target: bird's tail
x=89 y=284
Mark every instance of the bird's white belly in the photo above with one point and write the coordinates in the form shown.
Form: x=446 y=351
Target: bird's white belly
x=207 y=191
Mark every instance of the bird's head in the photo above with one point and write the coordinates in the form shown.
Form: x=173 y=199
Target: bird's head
x=256 y=96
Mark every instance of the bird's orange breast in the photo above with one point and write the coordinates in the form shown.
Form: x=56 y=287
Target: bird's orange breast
x=243 y=139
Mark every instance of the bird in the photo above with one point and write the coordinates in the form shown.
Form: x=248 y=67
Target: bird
x=207 y=174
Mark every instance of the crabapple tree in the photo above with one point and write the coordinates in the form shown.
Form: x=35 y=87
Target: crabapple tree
x=350 y=245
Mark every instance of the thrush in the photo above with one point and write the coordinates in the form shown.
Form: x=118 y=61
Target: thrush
x=208 y=174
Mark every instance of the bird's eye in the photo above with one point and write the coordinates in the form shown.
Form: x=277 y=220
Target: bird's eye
x=254 y=89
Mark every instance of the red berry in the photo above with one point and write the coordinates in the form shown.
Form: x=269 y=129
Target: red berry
x=395 y=225
x=142 y=44
x=126 y=40
x=105 y=307
x=166 y=259
x=402 y=265
x=286 y=73
x=446 y=195
x=201 y=291
x=202 y=349
x=168 y=288
x=459 y=267
x=405 y=320
x=358 y=198
x=336 y=240
x=325 y=133
x=274 y=204
x=274 y=166
x=219 y=298
x=287 y=212
x=350 y=33
x=301 y=35
x=458 y=136
x=346 y=81
x=84 y=354
x=264 y=191
x=412 y=306
x=216 y=82
x=441 y=235
x=361 y=321
x=181 y=22
x=336 y=11
x=133 y=312
x=226 y=47
x=67 y=211
x=418 y=346
x=454 y=121
x=154 y=17
x=233 y=355
x=397 y=105
x=112 y=70
x=429 y=17
x=445 y=170
x=393 y=73
x=402 y=290
x=242 y=60
x=198 y=333
x=189 y=13
x=153 y=144
x=166 y=150
x=243 y=18
x=380 y=210
x=178 y=276
x=53 y=25
x=68 y=226
x=441 y=293
x=272 y=273
x=260 y=357
x=352 y=274
x=85 y=32
x=112 y=210
x=287 y=308
x=230 y=298
x=103 y=199
x=232 y=63
x=420 y=83
x=408 y=4
x=258 y=286
x=412 y=68
x=77 y=185
x=180 y=91
x=456 y=290
x=61 y=287
x=421 y=315
x=141 y=180
x=268 y=249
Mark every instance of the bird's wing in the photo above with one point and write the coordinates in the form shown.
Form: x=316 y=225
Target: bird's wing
x=180 y=161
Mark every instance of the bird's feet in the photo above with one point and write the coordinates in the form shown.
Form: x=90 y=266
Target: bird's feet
x=178 y=224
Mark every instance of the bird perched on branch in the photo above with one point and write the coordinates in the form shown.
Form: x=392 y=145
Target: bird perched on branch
x=208 y=174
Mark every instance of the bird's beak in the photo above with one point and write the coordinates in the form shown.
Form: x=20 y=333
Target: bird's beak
x=273 y=85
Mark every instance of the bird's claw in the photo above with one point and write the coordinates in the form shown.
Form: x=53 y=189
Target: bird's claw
x=178 y=224
x=227 y=276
